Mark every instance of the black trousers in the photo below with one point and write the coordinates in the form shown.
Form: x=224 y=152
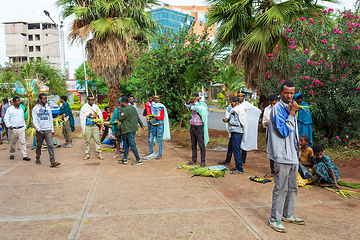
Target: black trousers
x=105 y=133
x=230 y=153
x=197 y=137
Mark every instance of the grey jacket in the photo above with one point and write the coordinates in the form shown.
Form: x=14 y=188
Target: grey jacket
x=283 y=137
x=234 y=124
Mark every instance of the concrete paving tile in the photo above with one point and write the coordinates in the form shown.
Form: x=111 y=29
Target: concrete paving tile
x=160 y=193
x=38 y=229
x=43 y=199
x=31 y=173
x=208 y=224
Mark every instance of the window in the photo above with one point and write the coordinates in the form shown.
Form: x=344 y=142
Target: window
x=33 y=26
x=31 y=58
x=46 y=34
x=38 y=58
x=37 y=37
x=30 y=37
x=31 y=48
x=24 y=59
x=38 y=48
x=23 y=34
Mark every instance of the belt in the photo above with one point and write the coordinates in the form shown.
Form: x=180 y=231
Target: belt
x=158 y=124
x=17 y=127
x=195 y=127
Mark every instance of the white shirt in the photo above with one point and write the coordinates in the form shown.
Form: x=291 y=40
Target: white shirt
x=14 y=117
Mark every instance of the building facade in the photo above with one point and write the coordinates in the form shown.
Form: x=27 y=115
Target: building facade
x=173 y=17
x=26 y=41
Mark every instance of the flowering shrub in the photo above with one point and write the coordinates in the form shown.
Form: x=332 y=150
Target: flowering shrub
x=319 y=55
x=176 y=66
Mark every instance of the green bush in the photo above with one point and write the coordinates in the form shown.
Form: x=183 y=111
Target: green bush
x=322 y=58
x=76 y=100
x=75 y=107
x=102 y=106
x=106 y=100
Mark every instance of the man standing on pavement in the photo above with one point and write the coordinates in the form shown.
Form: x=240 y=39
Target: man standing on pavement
x=68 y=125
x=199 y=129
x=160 y=127
x=4 y=107
x=148 y=112
x=15 y=122
x=88 y=113
x=283 y=148
x=236 y=123
x=129 y=119
x=43 y=122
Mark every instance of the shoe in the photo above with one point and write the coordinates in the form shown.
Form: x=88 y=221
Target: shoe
x=54 y=164
x=232 y=169
x=146 y=155
x=277 y=226
x=68 y=146
x=38 y=162
x=191 y=163
x=159 y=156
x=116 y=156
x=86 y=158
x=101 y=157
x=202 y=165
x=124 y=161
x=224 y=162
x=64 y=144
x=26 y=159
x=12 y=157
x=236 y=172
x=293 y=219
x=137 y=163
x=122 y=150
x=33 y=148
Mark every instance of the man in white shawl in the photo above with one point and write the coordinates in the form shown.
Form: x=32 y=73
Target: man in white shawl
x=88 y=113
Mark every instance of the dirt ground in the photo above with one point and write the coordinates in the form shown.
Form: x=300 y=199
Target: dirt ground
x=101 y=199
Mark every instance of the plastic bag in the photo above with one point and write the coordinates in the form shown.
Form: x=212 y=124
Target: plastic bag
x=304 y=172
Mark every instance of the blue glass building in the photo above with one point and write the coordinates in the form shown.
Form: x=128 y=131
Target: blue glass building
x=171 y=19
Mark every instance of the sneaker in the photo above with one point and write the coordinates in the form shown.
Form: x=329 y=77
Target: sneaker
x=202 y=165
x=224 y=162
x=232 y=169
x=159 y=156
x=124 y=161
x=26 y=158
x=12 y=157
x=191 y=163
x=101 y=157
x=86 y=158
x=236 y=172
x=38 y=162
x=137 y=163
x=277 y=226
x=54 y=164
x=293 y=219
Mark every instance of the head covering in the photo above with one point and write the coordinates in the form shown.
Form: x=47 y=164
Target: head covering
x=298 y=96
x=114 y=118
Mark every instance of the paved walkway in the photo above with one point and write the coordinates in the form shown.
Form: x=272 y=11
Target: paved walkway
x=96 y=199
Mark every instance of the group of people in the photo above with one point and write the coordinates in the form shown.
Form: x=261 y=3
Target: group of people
x=288 y=134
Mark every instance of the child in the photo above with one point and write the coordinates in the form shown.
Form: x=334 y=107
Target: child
x=273 y=99
x=325 y=170
x=306 y=154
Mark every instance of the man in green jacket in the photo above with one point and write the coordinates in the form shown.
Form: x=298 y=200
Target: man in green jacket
x=129 y=119
x=68 y=124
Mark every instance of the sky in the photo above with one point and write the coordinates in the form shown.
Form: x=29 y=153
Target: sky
x=33 y=11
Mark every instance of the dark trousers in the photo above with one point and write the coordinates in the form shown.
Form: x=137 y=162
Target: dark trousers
x=230 y=152
x=47 y=135
x=197 y=137
x=236 y=139
x=106 y=131
x=272 y=166
x=129 y=141
x=149 y=125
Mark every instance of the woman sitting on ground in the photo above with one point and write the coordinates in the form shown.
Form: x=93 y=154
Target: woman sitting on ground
x=325 y=170
x=306 y=155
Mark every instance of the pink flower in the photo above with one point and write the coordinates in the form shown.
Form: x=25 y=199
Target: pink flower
x=188 y=54
x=325 y=138
x=303 y=33
x=336 y=136
x=344 y=76
x=130 y=75
x=121 y=60
x=276 y=52
x=148 y=81
x=139 y=72
x=307 y=77
x=357 y=47
x=333 y=47
x=302 y=19
x=175 y=61
x=331 y=10
x=306 y=51
x=135 y=54
x=277 y=46
x=309 y=61
x=167 y=60
x=324 y=11
x=305 y=87
x=152 y=57
x=312 y=92
x=316 y=15
x=323 y=61
x=324 y=41
x=127 y=58
x=288 y=30
x=137 y=65
x=317 y=64
x=282 y=81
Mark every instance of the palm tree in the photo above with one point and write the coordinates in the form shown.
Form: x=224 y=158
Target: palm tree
x=253 y=28
x=110 y=25
x=231 y=80
x=35 y=73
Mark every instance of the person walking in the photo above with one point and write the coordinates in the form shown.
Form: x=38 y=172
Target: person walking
x=107 y=117
x=129 y=119
x=160 y=127
x=283 y=148
x=88 y=113
x=199 y=128
x=68 y=125
x=15 y=121
x=43 y=122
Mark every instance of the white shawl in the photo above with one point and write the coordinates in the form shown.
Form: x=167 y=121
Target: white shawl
x=252 y=117
x=85 y=111
x=241 y=111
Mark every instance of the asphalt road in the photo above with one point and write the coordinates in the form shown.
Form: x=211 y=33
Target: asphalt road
x=214 y=120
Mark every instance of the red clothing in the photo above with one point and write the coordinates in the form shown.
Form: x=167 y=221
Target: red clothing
x=148 y=108
x=162 y=115
x=105 y=115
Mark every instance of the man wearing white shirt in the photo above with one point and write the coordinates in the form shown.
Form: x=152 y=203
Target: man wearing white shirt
x=43 y=122
x=15 y=122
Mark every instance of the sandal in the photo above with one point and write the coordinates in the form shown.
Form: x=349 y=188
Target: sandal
x=269 y=175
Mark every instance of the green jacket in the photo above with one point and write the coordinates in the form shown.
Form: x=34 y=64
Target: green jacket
x=129 y=119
